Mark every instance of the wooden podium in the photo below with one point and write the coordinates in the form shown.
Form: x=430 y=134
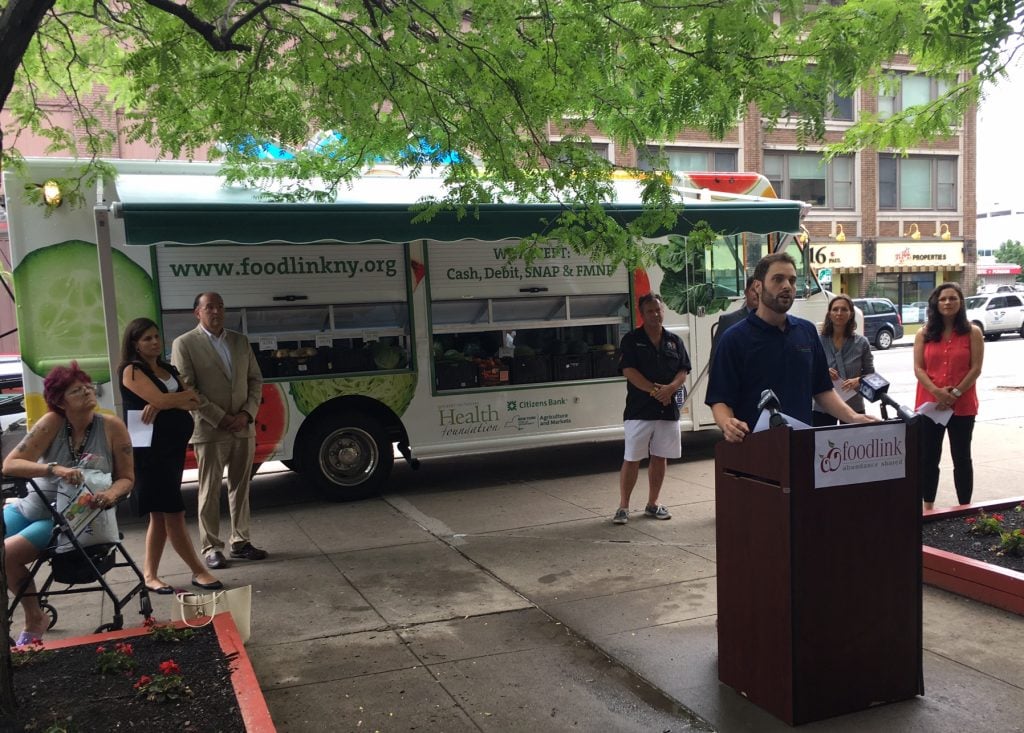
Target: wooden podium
x=819 y=589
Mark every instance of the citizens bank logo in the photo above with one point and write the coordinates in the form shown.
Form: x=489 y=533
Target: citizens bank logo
x=875 y=450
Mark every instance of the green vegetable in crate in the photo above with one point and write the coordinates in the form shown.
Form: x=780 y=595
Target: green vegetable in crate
x=454 y=355
x=388 y=356
x=577 y=346
x=525 y=350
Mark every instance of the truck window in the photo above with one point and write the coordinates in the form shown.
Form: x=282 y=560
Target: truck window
x=494 y=323
x=287 y=300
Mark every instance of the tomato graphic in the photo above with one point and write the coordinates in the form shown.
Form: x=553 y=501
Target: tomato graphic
x=271 y=423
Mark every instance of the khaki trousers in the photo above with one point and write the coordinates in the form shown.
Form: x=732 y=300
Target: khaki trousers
x=237 y=455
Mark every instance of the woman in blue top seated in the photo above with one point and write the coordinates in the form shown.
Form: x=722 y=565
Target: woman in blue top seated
x=848 y=354
x=70 y=435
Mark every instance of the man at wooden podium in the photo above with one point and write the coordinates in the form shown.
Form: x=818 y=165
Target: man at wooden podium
x=772 y=350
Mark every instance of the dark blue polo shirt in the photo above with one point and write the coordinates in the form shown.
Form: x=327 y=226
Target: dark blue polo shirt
x=753 y=356
x=658 y=365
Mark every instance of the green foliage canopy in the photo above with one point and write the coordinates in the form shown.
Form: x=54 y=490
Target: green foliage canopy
x=491 y=79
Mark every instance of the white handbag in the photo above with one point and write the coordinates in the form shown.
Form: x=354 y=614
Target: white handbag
x=198 y=609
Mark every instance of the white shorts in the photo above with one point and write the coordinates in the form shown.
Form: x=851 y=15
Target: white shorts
x=652 y=438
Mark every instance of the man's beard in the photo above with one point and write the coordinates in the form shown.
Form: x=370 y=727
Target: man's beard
x=773 y=303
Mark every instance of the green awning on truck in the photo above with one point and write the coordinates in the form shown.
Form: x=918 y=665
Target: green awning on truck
x=200 y=209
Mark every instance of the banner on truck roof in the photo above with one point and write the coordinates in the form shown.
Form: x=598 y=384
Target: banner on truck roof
x=312 y=274
x=483 y=270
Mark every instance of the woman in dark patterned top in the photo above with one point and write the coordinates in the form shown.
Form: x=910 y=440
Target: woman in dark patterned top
x=151 y=385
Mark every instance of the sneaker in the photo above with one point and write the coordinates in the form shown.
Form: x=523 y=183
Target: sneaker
x=621 y=516
x=657 y=511
x=248 y=552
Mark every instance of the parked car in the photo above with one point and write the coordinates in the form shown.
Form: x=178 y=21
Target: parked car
x=996 y=314
x=993 y=289
x=915 y=312
x=882 y=322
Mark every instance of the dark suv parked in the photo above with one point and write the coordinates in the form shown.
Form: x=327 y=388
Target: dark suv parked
x=882 y=323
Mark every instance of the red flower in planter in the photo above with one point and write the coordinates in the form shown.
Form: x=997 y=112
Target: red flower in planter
x=143 y=681
x=985 y=524
x=169 y=667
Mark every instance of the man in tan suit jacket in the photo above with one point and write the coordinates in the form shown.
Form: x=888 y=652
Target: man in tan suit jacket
x=221 y=367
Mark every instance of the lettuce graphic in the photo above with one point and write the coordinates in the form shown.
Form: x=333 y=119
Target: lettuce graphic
x=394 y=390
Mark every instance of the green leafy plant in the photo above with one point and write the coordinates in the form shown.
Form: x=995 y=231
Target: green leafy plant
x=113 y=661
x=985 y=524
x=684 y=286
x=1011 y=543
x=168 y=685
x=167 y=632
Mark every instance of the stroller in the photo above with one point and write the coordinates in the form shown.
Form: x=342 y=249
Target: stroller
x=73 y=563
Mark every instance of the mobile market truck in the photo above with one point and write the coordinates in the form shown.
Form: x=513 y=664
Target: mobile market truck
x=375 y=335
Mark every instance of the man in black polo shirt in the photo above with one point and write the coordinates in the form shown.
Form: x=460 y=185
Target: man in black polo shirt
x=772 y=350
x=655 y=364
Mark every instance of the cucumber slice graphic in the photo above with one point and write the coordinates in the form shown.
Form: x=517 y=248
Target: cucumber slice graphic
x=60 y=307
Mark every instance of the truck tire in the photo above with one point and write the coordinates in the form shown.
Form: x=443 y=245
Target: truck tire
x=348 y=457
x=883 y=339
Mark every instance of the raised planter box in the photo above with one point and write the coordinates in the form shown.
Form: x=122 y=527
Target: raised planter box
x=980 y=581
x=251 y=703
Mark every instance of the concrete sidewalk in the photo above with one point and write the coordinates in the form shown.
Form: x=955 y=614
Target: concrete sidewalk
x=494 y=594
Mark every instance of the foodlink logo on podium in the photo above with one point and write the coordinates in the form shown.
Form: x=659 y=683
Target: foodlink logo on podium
x=859 y=454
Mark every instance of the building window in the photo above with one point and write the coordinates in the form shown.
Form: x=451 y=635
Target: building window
x=691 y=159
x=917 y=182
x=841 y=109
x=808 y=177
x=904 y=90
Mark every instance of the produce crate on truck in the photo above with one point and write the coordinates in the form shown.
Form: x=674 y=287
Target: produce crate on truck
x=605 y=363
x=346 y=359
x=567 y=367
x=531 y=369
x=456 y=375
x=493 y=372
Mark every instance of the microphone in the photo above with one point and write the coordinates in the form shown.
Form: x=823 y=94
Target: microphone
x=875 y=388
x=770 y=401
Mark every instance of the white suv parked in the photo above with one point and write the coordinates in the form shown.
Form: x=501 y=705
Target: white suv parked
x=996 y=314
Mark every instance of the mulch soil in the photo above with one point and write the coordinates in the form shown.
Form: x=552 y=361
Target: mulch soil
x=63 y=689
x=952 y=535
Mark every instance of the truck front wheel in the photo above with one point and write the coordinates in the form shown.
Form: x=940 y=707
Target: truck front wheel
x=348 y=457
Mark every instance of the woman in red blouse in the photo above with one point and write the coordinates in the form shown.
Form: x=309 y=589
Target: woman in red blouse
x=948 y=353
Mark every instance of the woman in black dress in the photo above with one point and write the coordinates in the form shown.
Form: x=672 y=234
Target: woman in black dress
x=151 y=385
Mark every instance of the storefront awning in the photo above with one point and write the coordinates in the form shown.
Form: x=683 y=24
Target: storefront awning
x=200 y=209
x=920 y=268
